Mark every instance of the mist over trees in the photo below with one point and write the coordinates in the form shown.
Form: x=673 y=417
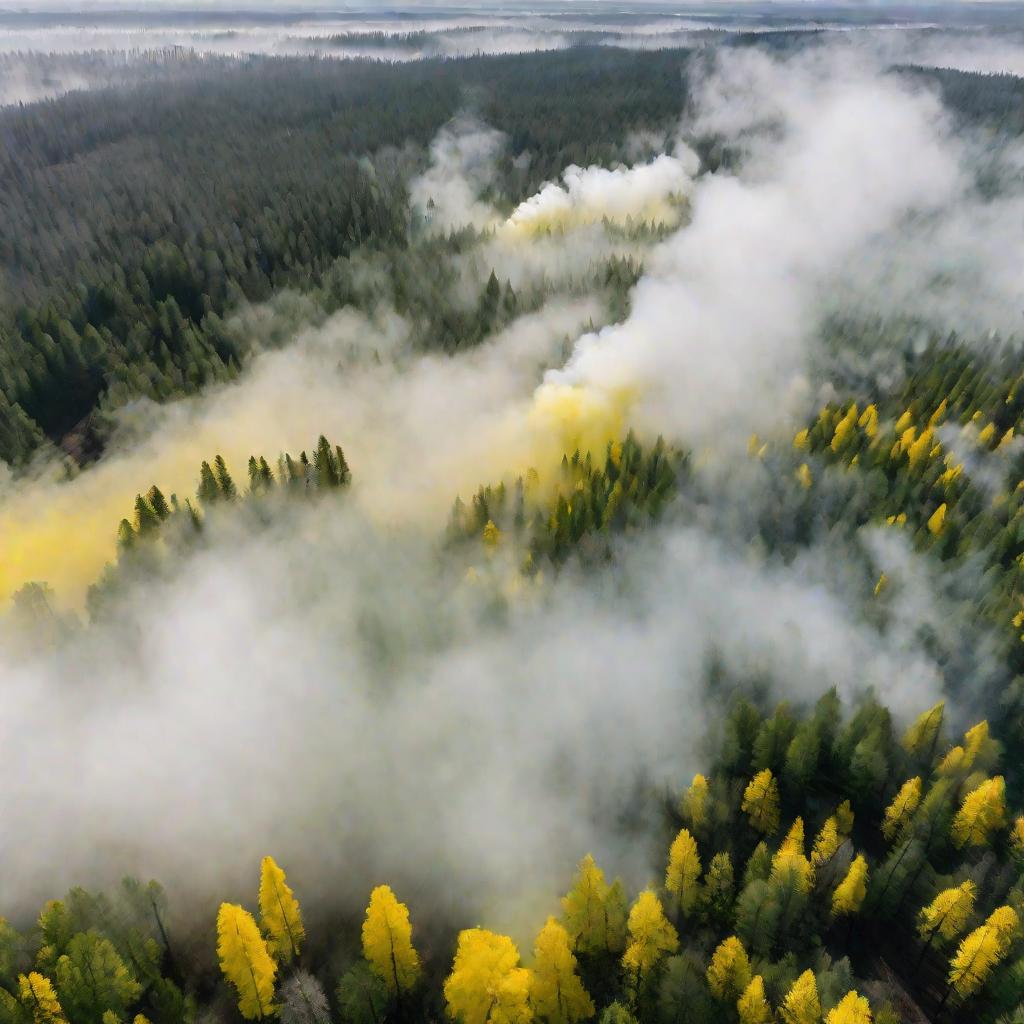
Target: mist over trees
x=654 y=726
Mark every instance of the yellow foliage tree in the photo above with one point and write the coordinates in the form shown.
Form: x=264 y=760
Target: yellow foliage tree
x=279 y=913
x=826 y=844
x=844 y=818
x=900 y=811
x=982 y=812
x=584 y=907
x=851 y=1009
x=558 y=994
x=947 y=915
x=761 y=802
x=953 y=762
x=802 y=1005
x=694 y=802
x=387 y=942
x=487 y=985
x=850 y=892
x=246 y=961
x=39 y=998
x=869 y=421
x=729 y=971
x=937 y=520
x=981 y=951
x=1017 y=838
x=978 y=746
x=683 y=873
x=651 y=937
x=753 y=1005
x=790 y=862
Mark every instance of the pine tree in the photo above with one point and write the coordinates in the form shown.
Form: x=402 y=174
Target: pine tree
x=982 y=812
x=209 y=489
x=91 y=977
x=729 y=972
x=584 y=908
x=616 y=914
x=558 y=995
x=39 y=998
x=303 y=1001
x=344 y=473
x=761 y=802
x=651 y=937
x=362 y=996
x=851 y=1009
x=844 y=818
x=683 y=873
x=753 y=1006
x=487 y=985
x=147 y=522
x=849 y=894
x=801 y=1005
x=280 y=916
x=325 y=464
x=226 y=484
x=158 y=502
x=246 y=961
x=694 y=803
x=900 y=811
x=387 y=942
x=719 y=887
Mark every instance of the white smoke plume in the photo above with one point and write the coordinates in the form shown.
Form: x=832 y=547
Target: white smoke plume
x=646 y=193
x=331 y=690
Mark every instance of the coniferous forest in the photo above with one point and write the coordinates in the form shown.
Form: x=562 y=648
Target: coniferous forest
x=512 y=517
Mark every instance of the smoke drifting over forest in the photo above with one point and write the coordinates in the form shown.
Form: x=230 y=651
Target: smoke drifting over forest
x=325 y=688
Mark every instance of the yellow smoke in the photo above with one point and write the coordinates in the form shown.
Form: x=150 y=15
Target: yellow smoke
x=528 y=221
x=65 y=533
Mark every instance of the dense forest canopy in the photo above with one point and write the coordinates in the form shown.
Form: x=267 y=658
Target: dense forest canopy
x=512 y=515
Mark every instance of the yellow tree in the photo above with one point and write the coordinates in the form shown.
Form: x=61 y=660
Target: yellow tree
x=826 y=844
x=850 y=893
x=922 y=737
x=650 y=937
x=279 y=913
x=1017 y=838
x=851 y=1009
x=753 y=1005
x=900 y=811
x=981 y=951
x=558 y=995
x=695 y=801
x=39 y=998
x=761 y=802
x=487 y=985
x=683 y=873
x=584 y=908
x=802 y=1005
x=789 y=861
x=979 y=749
x=982 y=812
x=729 y=971
x=947 y=915
x=246 y=961
x=387 y=942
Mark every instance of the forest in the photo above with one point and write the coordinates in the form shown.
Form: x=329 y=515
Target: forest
x=527 y=537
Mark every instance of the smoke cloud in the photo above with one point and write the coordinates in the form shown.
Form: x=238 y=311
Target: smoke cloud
x=327 y=688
